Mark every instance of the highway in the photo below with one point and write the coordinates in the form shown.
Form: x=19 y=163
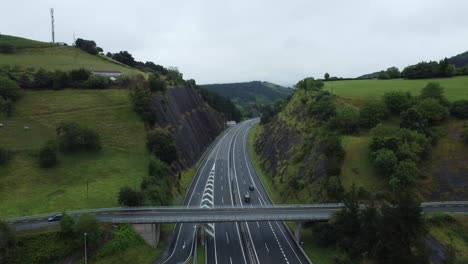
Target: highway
x=235 y=231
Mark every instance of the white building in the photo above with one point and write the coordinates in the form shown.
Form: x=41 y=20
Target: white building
x=106 y=73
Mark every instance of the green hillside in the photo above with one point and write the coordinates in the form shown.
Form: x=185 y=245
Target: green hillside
x=35 y=54
x=456 y=88
x=246 y=93
x=27 y=189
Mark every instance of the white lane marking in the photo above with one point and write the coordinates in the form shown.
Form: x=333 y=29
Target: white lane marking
x=183 y=246
x=267 y=247
x=240 y=199
x=221 y=187
x=227 y=238
x=222 y=200
x=230 y=260
x=258 y=225
x=261 y=197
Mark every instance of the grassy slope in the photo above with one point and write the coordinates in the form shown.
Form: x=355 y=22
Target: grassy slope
x=27 y=189
x=453 y=233
x=38 y=54
x=455 y=88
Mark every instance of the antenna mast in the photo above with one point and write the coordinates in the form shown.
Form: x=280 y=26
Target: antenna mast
x=53 y=30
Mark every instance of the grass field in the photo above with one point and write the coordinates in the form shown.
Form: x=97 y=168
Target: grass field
x=456 y=88
x=27 y=189
x=62 y=58
x=357 y=168
x=21 y=43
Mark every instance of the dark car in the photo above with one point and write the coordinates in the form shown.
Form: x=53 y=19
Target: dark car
x=54 y=218
x=247 y=198
x=251 y=187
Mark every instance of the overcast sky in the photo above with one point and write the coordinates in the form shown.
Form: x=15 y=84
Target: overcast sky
x=282 y=41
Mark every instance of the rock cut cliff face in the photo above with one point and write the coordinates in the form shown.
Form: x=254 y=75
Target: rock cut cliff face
x=291 y=151
x=194 y=124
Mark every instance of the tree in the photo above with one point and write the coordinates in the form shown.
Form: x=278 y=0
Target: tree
x=323 y=108
x=393 y=73
x=88 y=224
x=459 y=109
x=9 y=89
x=383 y=75
x=129 y=197
x=406 y=172
x=326 y=76
x=79 y=75
x=8 y=244
x=73 y=137
x=125 y=58
x=413 y=119
x=397 y=101
x=432 y=110
x=87 y=45
x=67 y=225
x=385 y=160
x=435 y=91
x=310 y=84
x=372 y=113
x=161 y=143
x=346 y=120
x=108 y=54
x=48 y=155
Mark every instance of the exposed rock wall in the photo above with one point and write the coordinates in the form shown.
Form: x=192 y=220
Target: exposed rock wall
x=291 y=151
x=194 y=124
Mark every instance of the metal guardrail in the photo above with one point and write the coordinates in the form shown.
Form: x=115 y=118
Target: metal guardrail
x=217 y=208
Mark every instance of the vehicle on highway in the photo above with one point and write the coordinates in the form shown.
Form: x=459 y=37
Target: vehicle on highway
x=54 y=218
x=247 y=198
x=251 y=187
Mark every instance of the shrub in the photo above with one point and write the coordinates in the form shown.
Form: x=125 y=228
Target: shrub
x=415 y=120
x=162 y=144
x=124 y=237
x=6 y=48
x=96 y=82
x=323 y=108
x=9 y=89
x=385 y=160
x=67 y=223
x=310 y=84
x=157 y=168
x=435 y=91
x=88 y=224
x=42 y=79
x=345 y=121
x=333 y=147
x=324 y=234
x=397 y=101
x=48 y=155
x=405 y=172
x=432 y=110
x=129 y=197
x=87 y=45
x=334 y=188
x=8 y=244
x=459 y=109
x=24 y=81
x=141 y=102
x=4 y=155
x=79 y=75
x=372 y=113
x=73 y=137
x=6 y=106
x=59 y=80
x=156 y=84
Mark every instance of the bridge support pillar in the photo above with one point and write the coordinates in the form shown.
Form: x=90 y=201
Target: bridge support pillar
x=297 y=231
x=149 y=232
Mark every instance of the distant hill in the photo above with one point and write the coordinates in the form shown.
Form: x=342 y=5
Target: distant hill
x=36 y=54
x=460 y=60
x=369 y=76
x=255 y=92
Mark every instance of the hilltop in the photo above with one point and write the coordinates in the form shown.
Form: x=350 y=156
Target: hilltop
x=28 y=53
x=460 y=60
x=248 y=93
